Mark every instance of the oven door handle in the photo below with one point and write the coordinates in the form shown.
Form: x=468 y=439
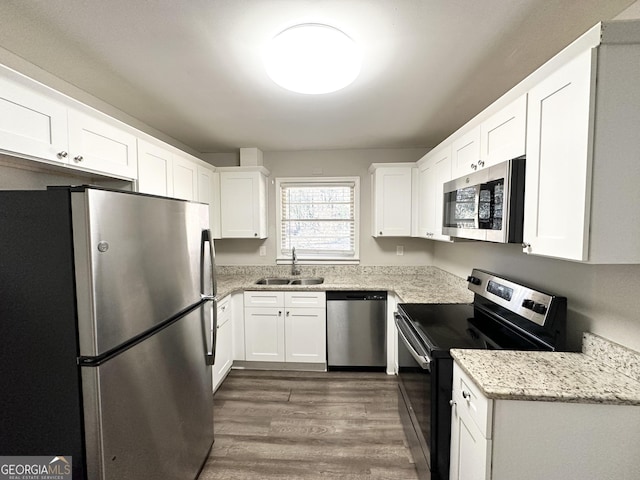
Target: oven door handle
x=423 y=361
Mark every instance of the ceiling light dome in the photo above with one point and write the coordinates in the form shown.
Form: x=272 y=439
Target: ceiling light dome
x=313 y=58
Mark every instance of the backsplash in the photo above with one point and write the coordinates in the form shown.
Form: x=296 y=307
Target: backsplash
x=622 y=359
x=339 y=270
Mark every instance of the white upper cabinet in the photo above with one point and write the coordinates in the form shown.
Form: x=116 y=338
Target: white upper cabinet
x=243 y=202
x=185 y=178
x=31 y=124
x=433 y=172
x=581 y=193
x=557 y=180
x=209 y=192
x=502 y=136
x=391 y=199
x=99 y=145
x=155 y=174
x=465 y=153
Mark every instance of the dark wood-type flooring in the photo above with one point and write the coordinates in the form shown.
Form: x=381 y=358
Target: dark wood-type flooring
x=308 y=425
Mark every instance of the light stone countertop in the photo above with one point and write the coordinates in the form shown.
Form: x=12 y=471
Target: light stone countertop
x=554 y=376
x=416 y=285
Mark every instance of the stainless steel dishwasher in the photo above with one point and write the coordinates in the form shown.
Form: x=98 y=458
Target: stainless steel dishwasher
x=356 y=329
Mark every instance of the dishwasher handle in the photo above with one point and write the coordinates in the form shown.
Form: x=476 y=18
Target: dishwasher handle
x=356 y=295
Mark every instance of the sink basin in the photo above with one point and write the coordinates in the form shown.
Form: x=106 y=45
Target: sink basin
x=273 y=281
x=290 y=281
x=307 y=281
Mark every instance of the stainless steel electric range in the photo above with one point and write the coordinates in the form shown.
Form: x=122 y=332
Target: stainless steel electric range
x=505 y=314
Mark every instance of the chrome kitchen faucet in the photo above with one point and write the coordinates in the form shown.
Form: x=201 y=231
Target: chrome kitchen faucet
x=295 y=269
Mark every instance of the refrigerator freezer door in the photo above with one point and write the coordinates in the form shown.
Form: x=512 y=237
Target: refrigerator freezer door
x=149 y=410
x=138 y=263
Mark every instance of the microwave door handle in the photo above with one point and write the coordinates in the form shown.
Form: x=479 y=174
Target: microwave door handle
x=476 y=219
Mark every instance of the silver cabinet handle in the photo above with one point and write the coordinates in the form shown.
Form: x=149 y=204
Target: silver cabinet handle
x=452 y=403
x=466 y=395
x=62 y=154
x=474 y=166
x=481 y=163
x=288 y=313
x=280 y=313
x=526 y=245
x=78 y=158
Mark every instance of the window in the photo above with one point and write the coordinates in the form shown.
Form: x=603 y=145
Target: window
x=319 y=217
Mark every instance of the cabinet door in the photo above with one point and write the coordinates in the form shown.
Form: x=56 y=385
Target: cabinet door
x=392 y=201
x=470 y=451
x=557 y=188
x=209 y=193
x=243 y=205
x=101 y=146
x=502 y=136
x=185 y=179
x=31 y=124
x=224 y=342
x=264 y=334
x=431 y=177
x=466 y=153
x=155 y=172
x=305 y=335
x=426 y=206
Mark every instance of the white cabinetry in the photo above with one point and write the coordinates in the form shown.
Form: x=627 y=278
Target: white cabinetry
x=243 y=202
x=581 y=191
x=391 y=199
x=31 y=123
x=98 y=144
x=155 y=170
x=185 y=178
x=224 y=342
x=502 y=136
x=465 y=153
x=285 y=326
x=209 y=192
x=529 y=440
x=433 y=171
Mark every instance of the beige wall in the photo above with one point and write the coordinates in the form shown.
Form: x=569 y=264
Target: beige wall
x=332 y=163
x=602 y=299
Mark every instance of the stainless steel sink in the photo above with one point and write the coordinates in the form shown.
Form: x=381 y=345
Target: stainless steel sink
x=290 y=281
x=273 y=281
x=307 y=281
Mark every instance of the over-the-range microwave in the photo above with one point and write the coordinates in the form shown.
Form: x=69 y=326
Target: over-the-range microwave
x=487 y=204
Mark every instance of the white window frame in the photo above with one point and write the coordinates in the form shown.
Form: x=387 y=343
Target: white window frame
x=282 y=258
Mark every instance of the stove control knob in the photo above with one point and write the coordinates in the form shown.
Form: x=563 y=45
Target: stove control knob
x=528 y=304
x=473 y=280
x=540 y=308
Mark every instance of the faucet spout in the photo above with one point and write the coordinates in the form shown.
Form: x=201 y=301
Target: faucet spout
x=295 y=269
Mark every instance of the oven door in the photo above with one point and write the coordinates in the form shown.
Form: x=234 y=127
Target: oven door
x=414 y=402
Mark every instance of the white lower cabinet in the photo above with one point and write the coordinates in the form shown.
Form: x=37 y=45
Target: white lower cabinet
x=224 y=342
x=533 y=440
x=285 y=326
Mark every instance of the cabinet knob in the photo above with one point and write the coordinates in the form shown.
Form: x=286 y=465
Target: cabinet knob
x=255 y=234
x=279 y=313
x=78 y=158
x=380 y=233
x=481 y=163
x=474 y=166
x=287 y=313
x=526 y=245
x=62 y=154
x=466 y=395
x=452 y=403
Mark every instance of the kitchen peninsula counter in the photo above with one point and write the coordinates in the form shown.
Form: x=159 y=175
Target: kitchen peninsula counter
x=604 y=373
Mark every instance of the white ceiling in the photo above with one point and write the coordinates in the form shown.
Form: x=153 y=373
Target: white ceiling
x=192 y=68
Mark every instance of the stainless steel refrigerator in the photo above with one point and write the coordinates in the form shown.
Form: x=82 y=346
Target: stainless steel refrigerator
x=107 y=311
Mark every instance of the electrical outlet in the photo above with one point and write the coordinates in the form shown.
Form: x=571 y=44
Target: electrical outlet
x=263 y=251
x=399 y=249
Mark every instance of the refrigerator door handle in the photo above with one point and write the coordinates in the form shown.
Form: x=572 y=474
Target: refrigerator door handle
x=207 y=239
x=211 y=354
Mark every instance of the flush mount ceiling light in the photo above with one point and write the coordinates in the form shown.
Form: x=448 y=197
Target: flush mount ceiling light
x=312 y=58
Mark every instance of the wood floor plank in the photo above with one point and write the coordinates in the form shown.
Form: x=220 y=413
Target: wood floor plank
x=306 y=426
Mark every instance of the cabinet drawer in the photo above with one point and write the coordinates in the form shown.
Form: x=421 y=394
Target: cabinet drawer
x=470 y=400
x=264 y=299
x=305 y=299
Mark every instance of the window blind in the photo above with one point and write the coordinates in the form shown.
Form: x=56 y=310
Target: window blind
x=318 y=219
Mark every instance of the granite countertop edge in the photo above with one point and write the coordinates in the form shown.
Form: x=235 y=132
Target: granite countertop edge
x=568 y=377
x=441 y=287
